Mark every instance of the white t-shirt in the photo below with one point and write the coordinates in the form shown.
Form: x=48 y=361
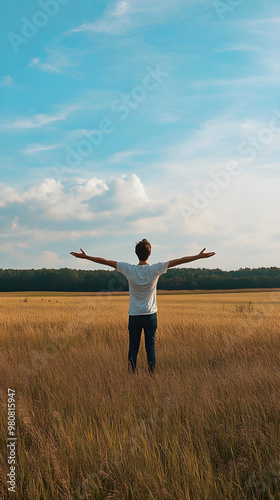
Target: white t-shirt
x=142 y=281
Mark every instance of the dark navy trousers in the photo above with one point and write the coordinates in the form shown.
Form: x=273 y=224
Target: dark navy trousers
x=136 y=324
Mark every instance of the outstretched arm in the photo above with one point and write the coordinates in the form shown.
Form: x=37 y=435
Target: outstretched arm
x=184 y=260
x=98 y=260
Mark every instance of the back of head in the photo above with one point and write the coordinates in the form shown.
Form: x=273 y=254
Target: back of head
x=143 y=249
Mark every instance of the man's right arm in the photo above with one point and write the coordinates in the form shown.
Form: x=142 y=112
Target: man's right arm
x=185 y=260
x=97 y=260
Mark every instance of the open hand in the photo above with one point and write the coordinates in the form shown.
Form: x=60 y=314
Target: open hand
x=82 y=255
x=203 y=255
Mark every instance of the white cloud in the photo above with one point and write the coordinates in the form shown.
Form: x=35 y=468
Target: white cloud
x=87 y=188
x=39 y=120
x=72 y=205
x=253 y=81
x=121 y=8
x=58 y=60
x=263 y=26
x=51 y=68
x=235 y=224
x=33 y=149
x=260 y=39
x=81 y=199
x=127 y=14
x=216 y=143
x=8 y=195
x=48 y=188
x=238 y=47
x=128 y=195
x=47 y=235
x=125 y=156
x=6 y=81
x=159 y=224
x=94 y=100
x=50 y=258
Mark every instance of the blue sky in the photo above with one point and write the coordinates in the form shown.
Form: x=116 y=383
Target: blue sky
x=128 y=119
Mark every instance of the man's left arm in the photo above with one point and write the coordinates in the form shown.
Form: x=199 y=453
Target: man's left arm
x=97 y=260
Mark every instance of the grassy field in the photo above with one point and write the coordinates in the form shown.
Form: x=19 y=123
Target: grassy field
x=205 y=426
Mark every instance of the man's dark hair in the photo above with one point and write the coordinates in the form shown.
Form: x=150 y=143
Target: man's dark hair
x=143 y=249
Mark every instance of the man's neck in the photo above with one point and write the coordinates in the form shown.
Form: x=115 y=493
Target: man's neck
x=142 y=263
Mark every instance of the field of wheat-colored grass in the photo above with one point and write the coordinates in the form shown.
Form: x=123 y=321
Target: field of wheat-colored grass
x=206 y=426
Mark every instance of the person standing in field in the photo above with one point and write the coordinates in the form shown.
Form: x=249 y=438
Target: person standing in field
x=142 y=280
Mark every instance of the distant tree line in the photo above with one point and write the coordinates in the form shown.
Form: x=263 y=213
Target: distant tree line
x=72 y=280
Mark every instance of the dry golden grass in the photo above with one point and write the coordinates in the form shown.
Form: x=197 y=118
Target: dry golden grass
x=206 y=426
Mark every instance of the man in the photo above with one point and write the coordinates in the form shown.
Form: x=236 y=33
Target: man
x=142 y=280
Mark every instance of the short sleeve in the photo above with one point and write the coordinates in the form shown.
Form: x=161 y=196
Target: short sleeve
x=160 y=268
x=124 y=268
